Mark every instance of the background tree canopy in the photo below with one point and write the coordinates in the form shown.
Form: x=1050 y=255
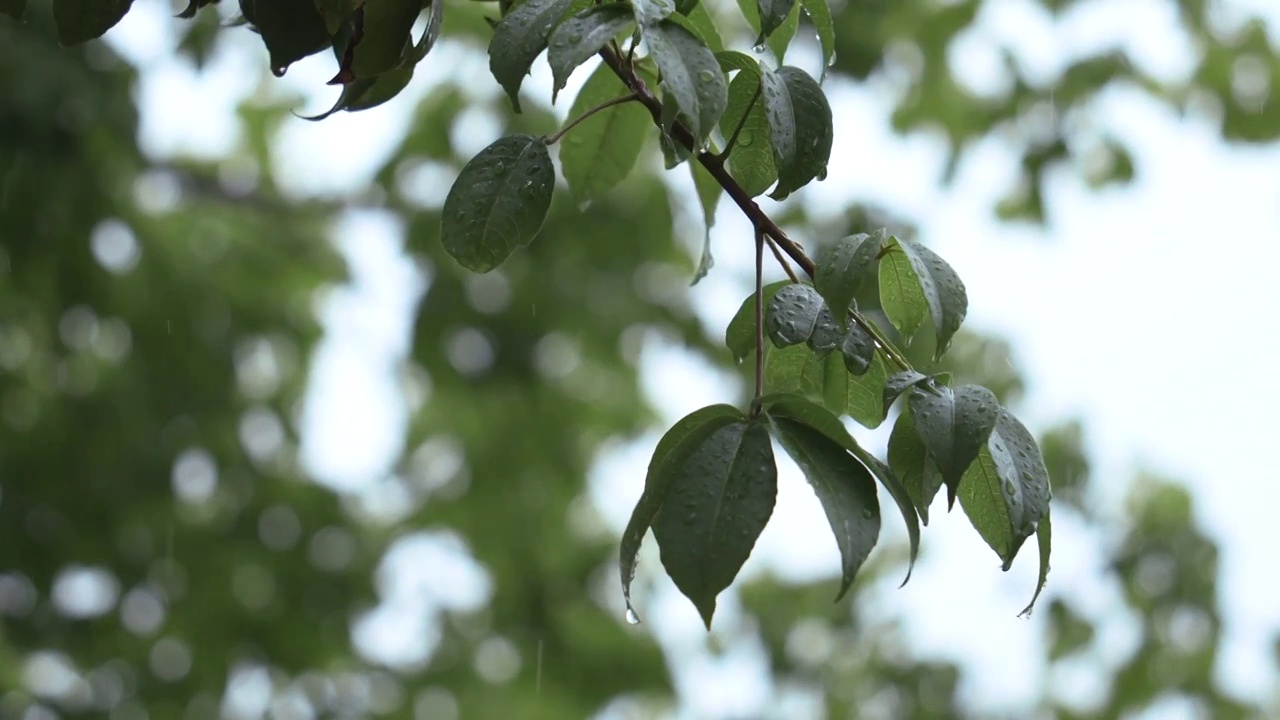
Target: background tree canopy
x=167 y=552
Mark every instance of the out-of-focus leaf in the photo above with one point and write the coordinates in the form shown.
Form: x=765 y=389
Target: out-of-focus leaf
x=80 y=21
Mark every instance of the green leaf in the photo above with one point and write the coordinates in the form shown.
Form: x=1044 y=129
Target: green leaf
x=600 y=152
x=792 y=314
x=720 y=498
x=910 y=460
x=498 y=202
x=291 y=29
x=845 y=487
x=699 y=20
x=384 y=36
x=1008 y=492
x=435 y=19
x=1044 y=536
x=781 y=116
x=15 y=8
x=773 y=13
x=781 y=37
x=673 y=449
x=824 y=379
x=83 y=20
x=691 y=75
x=581 y=37
x=827 y=333
x=652 y=12
x=366 y=93
x=954 y=425
x=865 y=400
x=334 y=12
x=858 y=349
x=897 y=383
x=751 y=158
x=709 y=192
x=844 y=266
x=740 y=335
x=518 y=40
x=813 y=134
x=732 y=60
x=820 y=13
x=820 y=419
x=684 y=7
x=923 y=282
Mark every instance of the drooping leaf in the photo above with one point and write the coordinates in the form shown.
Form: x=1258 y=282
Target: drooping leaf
x=819 y=418
x=720 y=498
x=863 y=392
x=858 y=349
x=709 y=192
x=335 y=12
x=600 y=152
x=897 y=383
x=83 y=20
x=845 y=487
x=781 y=116
x=910 y=460
x=780 y=39
x=699 y=20
x=366 y=93
x=652 y=12
x=824 y=379
x=827 y=333
x=954 y=425
x=751 y=158
x=773 y=13
x=518 y=40
x=740 y=335
x=792 y=314
x=435 y=20
x=580 y=37
x=291 y=29
x=498 y=202
x=1044 y=536
x=820 y=13
x=900 y=295
x=384 y=36
x=813 y=133
x=1008 y=492
x=923 y=277
x=684 y=7
x=844 y=266
x=691 y=75
x=732 y=60
x=673 y=449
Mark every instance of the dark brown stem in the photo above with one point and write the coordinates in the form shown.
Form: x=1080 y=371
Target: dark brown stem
x=755 y=404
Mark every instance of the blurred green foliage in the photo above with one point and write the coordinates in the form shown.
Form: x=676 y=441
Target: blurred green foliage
x=162 y=554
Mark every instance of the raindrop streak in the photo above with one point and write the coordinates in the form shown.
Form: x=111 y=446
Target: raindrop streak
x=632 y=617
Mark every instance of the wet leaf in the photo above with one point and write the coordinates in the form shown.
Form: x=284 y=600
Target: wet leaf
x=781 y=116
x=1007 y=493
x=652 y=12
x=691 y=76
x=720 y=497
x=954 y=426
x=1044 y=536
x=844 y=266
x=80 y=21
x=915 y=283
x=193 y=7
x=751 y=158
x=672 y=450
x=384 y=35
x=844 y=486
x=773 y=13
x=898 y=383
x=792 y=314
x=824 y=379
x=813 y=135
x=858 y=349
x=291 y=29
x=709 y=192
x=518 y=40
x=819 y=13
x=740 y=335
x=580 y=37
x=15 y=8
x=910 y=460
x=780 y=39
x=363 y=94
x=498 y=202
x=336 y=12
x=599 y=153
x=700 y=22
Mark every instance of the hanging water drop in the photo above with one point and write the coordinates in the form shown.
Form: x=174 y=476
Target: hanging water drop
x=279 y=70
x=632 y=617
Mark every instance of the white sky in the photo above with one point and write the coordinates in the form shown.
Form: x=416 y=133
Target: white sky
x=1189 y=396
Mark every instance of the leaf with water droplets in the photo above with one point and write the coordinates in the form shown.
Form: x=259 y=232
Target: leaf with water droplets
x=820 y=13
x=813 y=132
x=773 y=13
x=819 y=418
x=498 y=202
x=709 y=192
x=858 y=349
x=792 y=314
x=652 y=12
x=518 y=40
x=844 y=266
x=915 y=283
x=1007 y=492
x=291 y=29
x=673 y=449
x=83 y=20
x=691 y=76
x=600 y=151
x=781 y=117
x=699 y=21
x=580 y=37
x=780 y=38
x=898 y=383
x=910 y=460
x=825 y=379
x=1044 y=537
x=740 y=335
x=720 y=498
x=954 y=426
x=751 y=158
x=844 y=486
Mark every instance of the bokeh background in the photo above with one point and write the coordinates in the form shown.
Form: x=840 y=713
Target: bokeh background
x=266 y=452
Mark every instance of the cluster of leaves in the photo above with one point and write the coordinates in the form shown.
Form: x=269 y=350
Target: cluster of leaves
x=372 y=42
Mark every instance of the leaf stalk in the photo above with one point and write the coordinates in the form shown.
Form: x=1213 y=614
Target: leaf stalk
x=553 y=139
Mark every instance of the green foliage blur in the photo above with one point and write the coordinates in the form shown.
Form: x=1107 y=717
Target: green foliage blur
x=163 y=554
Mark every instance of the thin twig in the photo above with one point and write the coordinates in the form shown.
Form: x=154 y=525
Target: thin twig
x=755 y=404
x=552 y=139
x=782 y=260
x=733 y=139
